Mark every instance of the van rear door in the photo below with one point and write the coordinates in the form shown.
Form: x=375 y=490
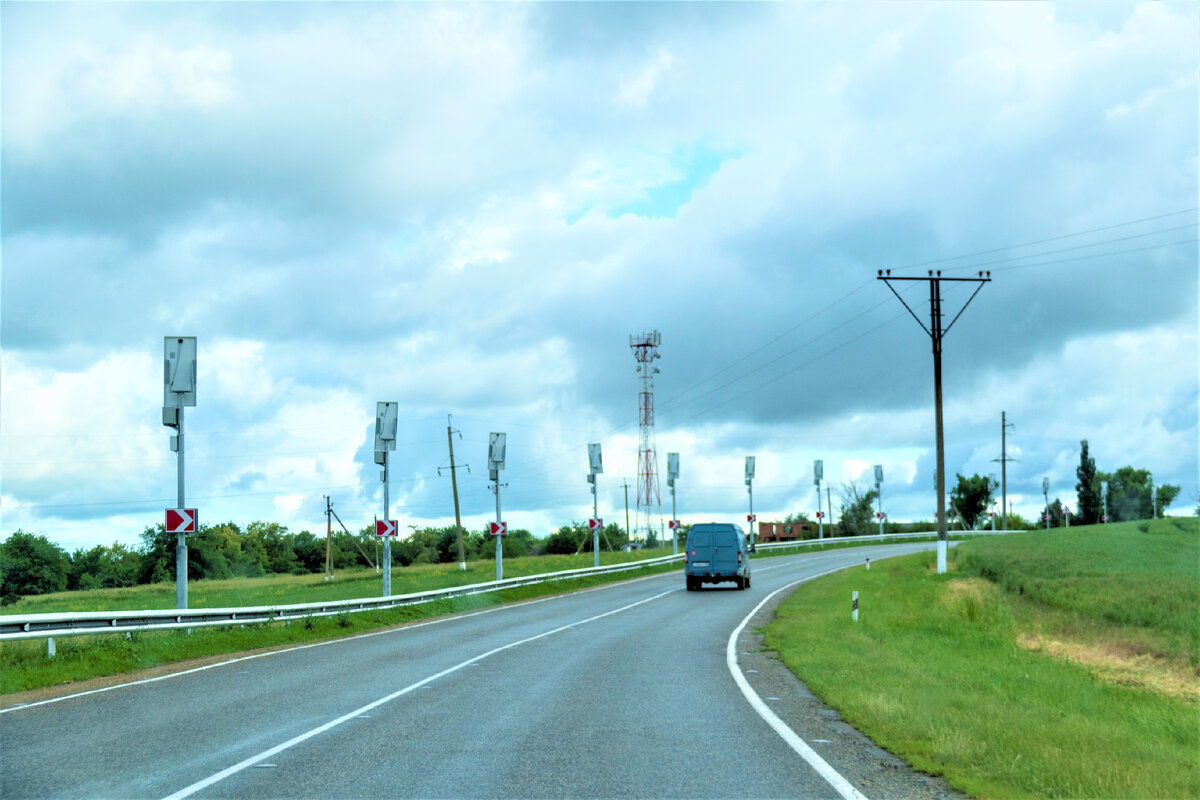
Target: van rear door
x=699 y=548
x=725 y=551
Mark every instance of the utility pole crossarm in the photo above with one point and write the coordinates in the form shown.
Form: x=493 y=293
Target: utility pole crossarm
x=982 y=281
x=906 y=305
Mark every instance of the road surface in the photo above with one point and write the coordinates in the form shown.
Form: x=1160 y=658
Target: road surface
x=618 y=691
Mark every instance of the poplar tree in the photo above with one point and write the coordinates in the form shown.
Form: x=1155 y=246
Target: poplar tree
x=1091 y=505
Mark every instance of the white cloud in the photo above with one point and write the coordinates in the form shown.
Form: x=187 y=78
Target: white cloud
x=634 y=92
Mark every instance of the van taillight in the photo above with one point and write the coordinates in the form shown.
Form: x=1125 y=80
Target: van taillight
x=739 y=557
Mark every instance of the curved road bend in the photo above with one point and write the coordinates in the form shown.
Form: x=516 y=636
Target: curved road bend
x=618 y=691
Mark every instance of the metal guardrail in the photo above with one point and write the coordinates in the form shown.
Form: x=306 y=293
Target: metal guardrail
x=875 y=537
x=81 y=623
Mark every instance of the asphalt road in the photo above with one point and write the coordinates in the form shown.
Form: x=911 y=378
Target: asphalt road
x=562 y=697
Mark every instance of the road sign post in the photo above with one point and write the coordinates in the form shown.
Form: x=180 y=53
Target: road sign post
x=750 y=491
x=385 y=442
x=497 y=445
x=595 y=467
x=879 y=495
x=818 y=474
x=672 y=475
x=179 y=391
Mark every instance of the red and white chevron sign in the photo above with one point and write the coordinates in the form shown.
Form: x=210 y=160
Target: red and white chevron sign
x=673 y=524
x=498 y=528
x=595 y=524
x=751 y=517
x=385 y=527
x=181 y=520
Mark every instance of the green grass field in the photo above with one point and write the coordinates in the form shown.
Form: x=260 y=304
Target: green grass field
x=1045 y=664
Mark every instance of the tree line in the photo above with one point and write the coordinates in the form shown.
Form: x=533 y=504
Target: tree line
x=32 y=564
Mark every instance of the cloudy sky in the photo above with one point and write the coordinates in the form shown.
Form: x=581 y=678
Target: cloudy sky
x=468 y=209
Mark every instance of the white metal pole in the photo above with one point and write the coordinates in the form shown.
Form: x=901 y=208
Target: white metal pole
x=181 y=549
x=387 y=540
x=499 y=538
x=820 y=518
x=595 y=531
x=879 y=493
x=674 y=531
x=750 y=489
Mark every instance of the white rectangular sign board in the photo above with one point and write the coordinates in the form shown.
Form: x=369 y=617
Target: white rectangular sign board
x=179 y=371
x=385 y=426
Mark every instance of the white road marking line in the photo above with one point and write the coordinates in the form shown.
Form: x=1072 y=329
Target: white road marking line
x=254 y=760
x=832 y=776
x=240 y=659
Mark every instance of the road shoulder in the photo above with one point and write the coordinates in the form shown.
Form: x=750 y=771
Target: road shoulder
x=871 y=769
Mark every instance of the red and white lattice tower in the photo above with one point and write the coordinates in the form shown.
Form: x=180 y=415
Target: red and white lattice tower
x=649 y=504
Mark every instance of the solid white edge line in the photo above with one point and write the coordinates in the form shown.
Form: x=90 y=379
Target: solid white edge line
x=832 y=776
x=399 y=628
x=249 y=762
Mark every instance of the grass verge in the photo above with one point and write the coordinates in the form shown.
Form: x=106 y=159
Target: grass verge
x=936 y=673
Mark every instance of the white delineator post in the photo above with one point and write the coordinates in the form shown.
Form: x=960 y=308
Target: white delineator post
x=854 y=613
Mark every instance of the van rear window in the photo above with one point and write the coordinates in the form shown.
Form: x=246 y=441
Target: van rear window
x=724 y=538
x=700 y=539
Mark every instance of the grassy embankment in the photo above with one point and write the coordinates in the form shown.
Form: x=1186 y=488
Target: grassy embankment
x=1045 y=664
x=25 y=664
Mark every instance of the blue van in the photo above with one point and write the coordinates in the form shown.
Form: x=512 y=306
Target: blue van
x=717 y=552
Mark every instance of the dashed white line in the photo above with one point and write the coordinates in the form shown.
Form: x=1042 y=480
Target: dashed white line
x=358 y=712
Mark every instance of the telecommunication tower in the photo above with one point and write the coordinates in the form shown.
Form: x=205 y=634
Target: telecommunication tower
x=649 y=504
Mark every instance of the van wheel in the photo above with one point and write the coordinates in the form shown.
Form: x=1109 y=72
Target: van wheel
x=691 y=586
x=741 y=582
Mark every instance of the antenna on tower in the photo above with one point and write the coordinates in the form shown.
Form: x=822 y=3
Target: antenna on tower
x=649 y=504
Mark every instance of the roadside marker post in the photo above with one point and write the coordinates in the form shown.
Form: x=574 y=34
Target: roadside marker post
x=854 y=613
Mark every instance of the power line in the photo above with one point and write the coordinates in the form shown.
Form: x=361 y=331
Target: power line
x=1050 y=239
x=1078 y=247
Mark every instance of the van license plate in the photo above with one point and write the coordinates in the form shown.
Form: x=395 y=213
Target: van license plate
x=699 y=563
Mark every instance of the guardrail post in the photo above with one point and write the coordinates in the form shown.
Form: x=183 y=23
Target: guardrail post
x=50 y=647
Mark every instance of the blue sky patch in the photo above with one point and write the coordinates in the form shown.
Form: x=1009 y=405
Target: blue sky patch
x=698 y=165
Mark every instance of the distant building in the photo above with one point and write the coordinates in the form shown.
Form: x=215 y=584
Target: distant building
x=791 y=531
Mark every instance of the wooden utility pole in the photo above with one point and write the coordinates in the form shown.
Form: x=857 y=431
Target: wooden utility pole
x=462 y=561
x=936 y=334
x=1004 y=459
